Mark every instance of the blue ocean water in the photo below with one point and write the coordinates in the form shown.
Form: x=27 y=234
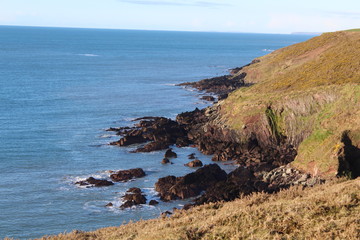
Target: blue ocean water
x=61 y=88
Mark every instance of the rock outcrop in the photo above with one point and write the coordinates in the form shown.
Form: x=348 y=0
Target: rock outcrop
x=126 y=175
x=133 y=197
x=95 y=182
x=157 y=132
x=191 y=185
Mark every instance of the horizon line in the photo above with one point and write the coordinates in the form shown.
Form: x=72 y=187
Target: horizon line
x=160 y=30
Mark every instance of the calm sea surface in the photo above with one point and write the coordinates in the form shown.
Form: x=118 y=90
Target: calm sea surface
x=61 y=88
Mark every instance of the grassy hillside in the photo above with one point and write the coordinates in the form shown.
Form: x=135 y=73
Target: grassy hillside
x=329 y=211
x=308 y=93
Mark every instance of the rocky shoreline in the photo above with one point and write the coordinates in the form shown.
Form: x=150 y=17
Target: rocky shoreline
x=261 y=167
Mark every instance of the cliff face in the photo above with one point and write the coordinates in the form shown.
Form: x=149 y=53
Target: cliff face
x=306 y=95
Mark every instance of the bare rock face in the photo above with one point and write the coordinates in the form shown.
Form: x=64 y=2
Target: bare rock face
x=240 y=181
x=126 y=175
x=192 y=184
x=195 y=163
x=95 y=182
x=133 y=197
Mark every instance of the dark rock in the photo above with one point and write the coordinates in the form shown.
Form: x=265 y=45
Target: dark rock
x=153 y=202
x=222 y=96
x=191 y=156
x=165 y=214
x=165 y=161
x=95 y=182
x=170 y=154
x=218 y=85
x=110 y=204
x=129 y=140
x=190 y=185
x=195 y=163
x=133 y=197
x=125 y=175
x=134 y=190
x=208 y=98
x=153 y=146
x=158 y=132
x=241 y=181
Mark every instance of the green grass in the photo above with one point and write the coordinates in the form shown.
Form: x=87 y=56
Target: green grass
x=354 y=30
x=312 y=87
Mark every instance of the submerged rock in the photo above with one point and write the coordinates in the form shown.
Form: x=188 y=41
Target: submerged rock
x=195 y=163
x=125 y=175
x=95 y=182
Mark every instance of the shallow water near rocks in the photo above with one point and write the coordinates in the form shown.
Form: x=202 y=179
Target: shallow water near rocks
x=61 y=88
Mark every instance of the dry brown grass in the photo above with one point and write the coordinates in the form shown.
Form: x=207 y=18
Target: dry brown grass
x=329 y=211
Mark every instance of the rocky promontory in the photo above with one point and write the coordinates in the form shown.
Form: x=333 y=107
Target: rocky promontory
x=268 y=115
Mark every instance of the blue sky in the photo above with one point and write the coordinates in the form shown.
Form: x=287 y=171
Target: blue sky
x=276 y=16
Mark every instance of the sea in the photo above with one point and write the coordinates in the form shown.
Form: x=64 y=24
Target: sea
x=61 y=88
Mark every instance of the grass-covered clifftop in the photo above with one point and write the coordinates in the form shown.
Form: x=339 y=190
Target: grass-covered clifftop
x=329 y=211
x=307 y=94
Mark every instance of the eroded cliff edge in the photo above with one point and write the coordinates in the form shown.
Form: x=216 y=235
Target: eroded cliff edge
x=306 y=97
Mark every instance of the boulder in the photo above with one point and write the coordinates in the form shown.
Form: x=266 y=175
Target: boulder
x=170 y=154
x=241 y=181
x=133 y=197
x=208 y=98
x=191 y=156
x=153 y=202
x=195 y=163
x=125 y=175
x=190 y=185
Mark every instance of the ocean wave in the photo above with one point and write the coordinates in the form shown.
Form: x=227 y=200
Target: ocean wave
x=267 y=50
x=88 y=55
x=107 y=136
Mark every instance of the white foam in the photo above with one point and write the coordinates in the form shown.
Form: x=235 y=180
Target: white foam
x=108 y=135
x=268 y=50
x=88 y=55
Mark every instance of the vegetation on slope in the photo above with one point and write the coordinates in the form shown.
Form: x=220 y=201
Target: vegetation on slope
x=329 y=211
x=313 y=91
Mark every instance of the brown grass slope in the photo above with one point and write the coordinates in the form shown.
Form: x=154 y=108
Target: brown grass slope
x=329 y=211
x=309 y=93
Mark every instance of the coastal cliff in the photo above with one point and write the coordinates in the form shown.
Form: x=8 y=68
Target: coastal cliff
x=306 y=96
x=290 y=119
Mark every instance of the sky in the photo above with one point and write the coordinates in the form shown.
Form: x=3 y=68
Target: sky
x=260 y=16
